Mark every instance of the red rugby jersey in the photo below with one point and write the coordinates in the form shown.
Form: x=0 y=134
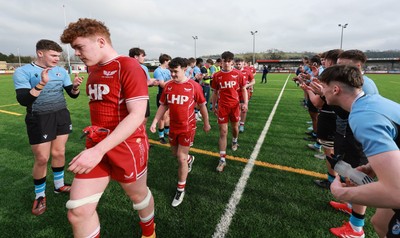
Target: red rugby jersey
x=228 y=84
x=111 y=86
x=247 y=78
x=181 y=98
x=252 y=69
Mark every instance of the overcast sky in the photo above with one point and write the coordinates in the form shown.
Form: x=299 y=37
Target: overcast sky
x=167 y=26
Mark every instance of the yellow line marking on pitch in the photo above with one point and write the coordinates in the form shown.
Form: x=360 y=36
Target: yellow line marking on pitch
x=259 y=163
x=11 y=113
x=9 y=105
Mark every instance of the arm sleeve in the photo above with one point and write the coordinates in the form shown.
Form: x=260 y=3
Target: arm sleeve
x=24 y=97
x=68 y=89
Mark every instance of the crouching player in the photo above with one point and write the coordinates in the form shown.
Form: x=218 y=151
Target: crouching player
x=181 y=95
x=118 y=96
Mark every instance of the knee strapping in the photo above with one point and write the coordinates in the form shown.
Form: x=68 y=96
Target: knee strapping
x=143 y=204
x=71 y=204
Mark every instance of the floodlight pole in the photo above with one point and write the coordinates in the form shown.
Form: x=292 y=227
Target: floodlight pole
x=253 y=33
x=68 y=60
x=195 y=38
x=341 y=35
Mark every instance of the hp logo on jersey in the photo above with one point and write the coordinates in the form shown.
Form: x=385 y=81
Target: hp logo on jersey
x=177 y=99
x=227 y=84
x=96 y=91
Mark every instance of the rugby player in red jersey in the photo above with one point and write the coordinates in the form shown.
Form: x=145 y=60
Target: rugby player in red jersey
x=118 y=95
x=226 y=85
x=180 y=96
x=248 y=77
x=250 y=67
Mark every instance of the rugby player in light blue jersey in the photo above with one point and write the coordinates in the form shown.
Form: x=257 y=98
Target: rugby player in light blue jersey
x=40 y=88
x=190 y=68
x=140 y=55
x=375 y=122
x=350 y=149
x=198 y=75
x=162 y=75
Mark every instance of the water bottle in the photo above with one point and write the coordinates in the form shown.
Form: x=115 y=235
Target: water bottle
x=357 y=177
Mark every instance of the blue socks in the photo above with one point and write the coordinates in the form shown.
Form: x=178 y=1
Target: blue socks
x=40 y=187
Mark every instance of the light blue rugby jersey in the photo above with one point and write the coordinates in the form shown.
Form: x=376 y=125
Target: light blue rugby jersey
x=187 y=72
x=51 y=97
x=369 y=86
x=213 y=69
x=146 y=70
x=196 y=70
x=161 y=74
x=375 y=122
x=307 y=69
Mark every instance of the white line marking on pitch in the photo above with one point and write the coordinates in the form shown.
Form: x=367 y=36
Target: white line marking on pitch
x=225 y=221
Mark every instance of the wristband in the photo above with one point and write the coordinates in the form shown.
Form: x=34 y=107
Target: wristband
x=39 y=86
x=42 y=84
x=75 y=89
x=38 y=89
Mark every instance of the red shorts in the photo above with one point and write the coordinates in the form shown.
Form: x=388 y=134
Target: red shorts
x=226 y=114
x=183 y=138
x=125 y=163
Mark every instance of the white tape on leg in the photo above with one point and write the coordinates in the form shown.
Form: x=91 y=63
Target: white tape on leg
x=143 y=204
x=71 y=204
